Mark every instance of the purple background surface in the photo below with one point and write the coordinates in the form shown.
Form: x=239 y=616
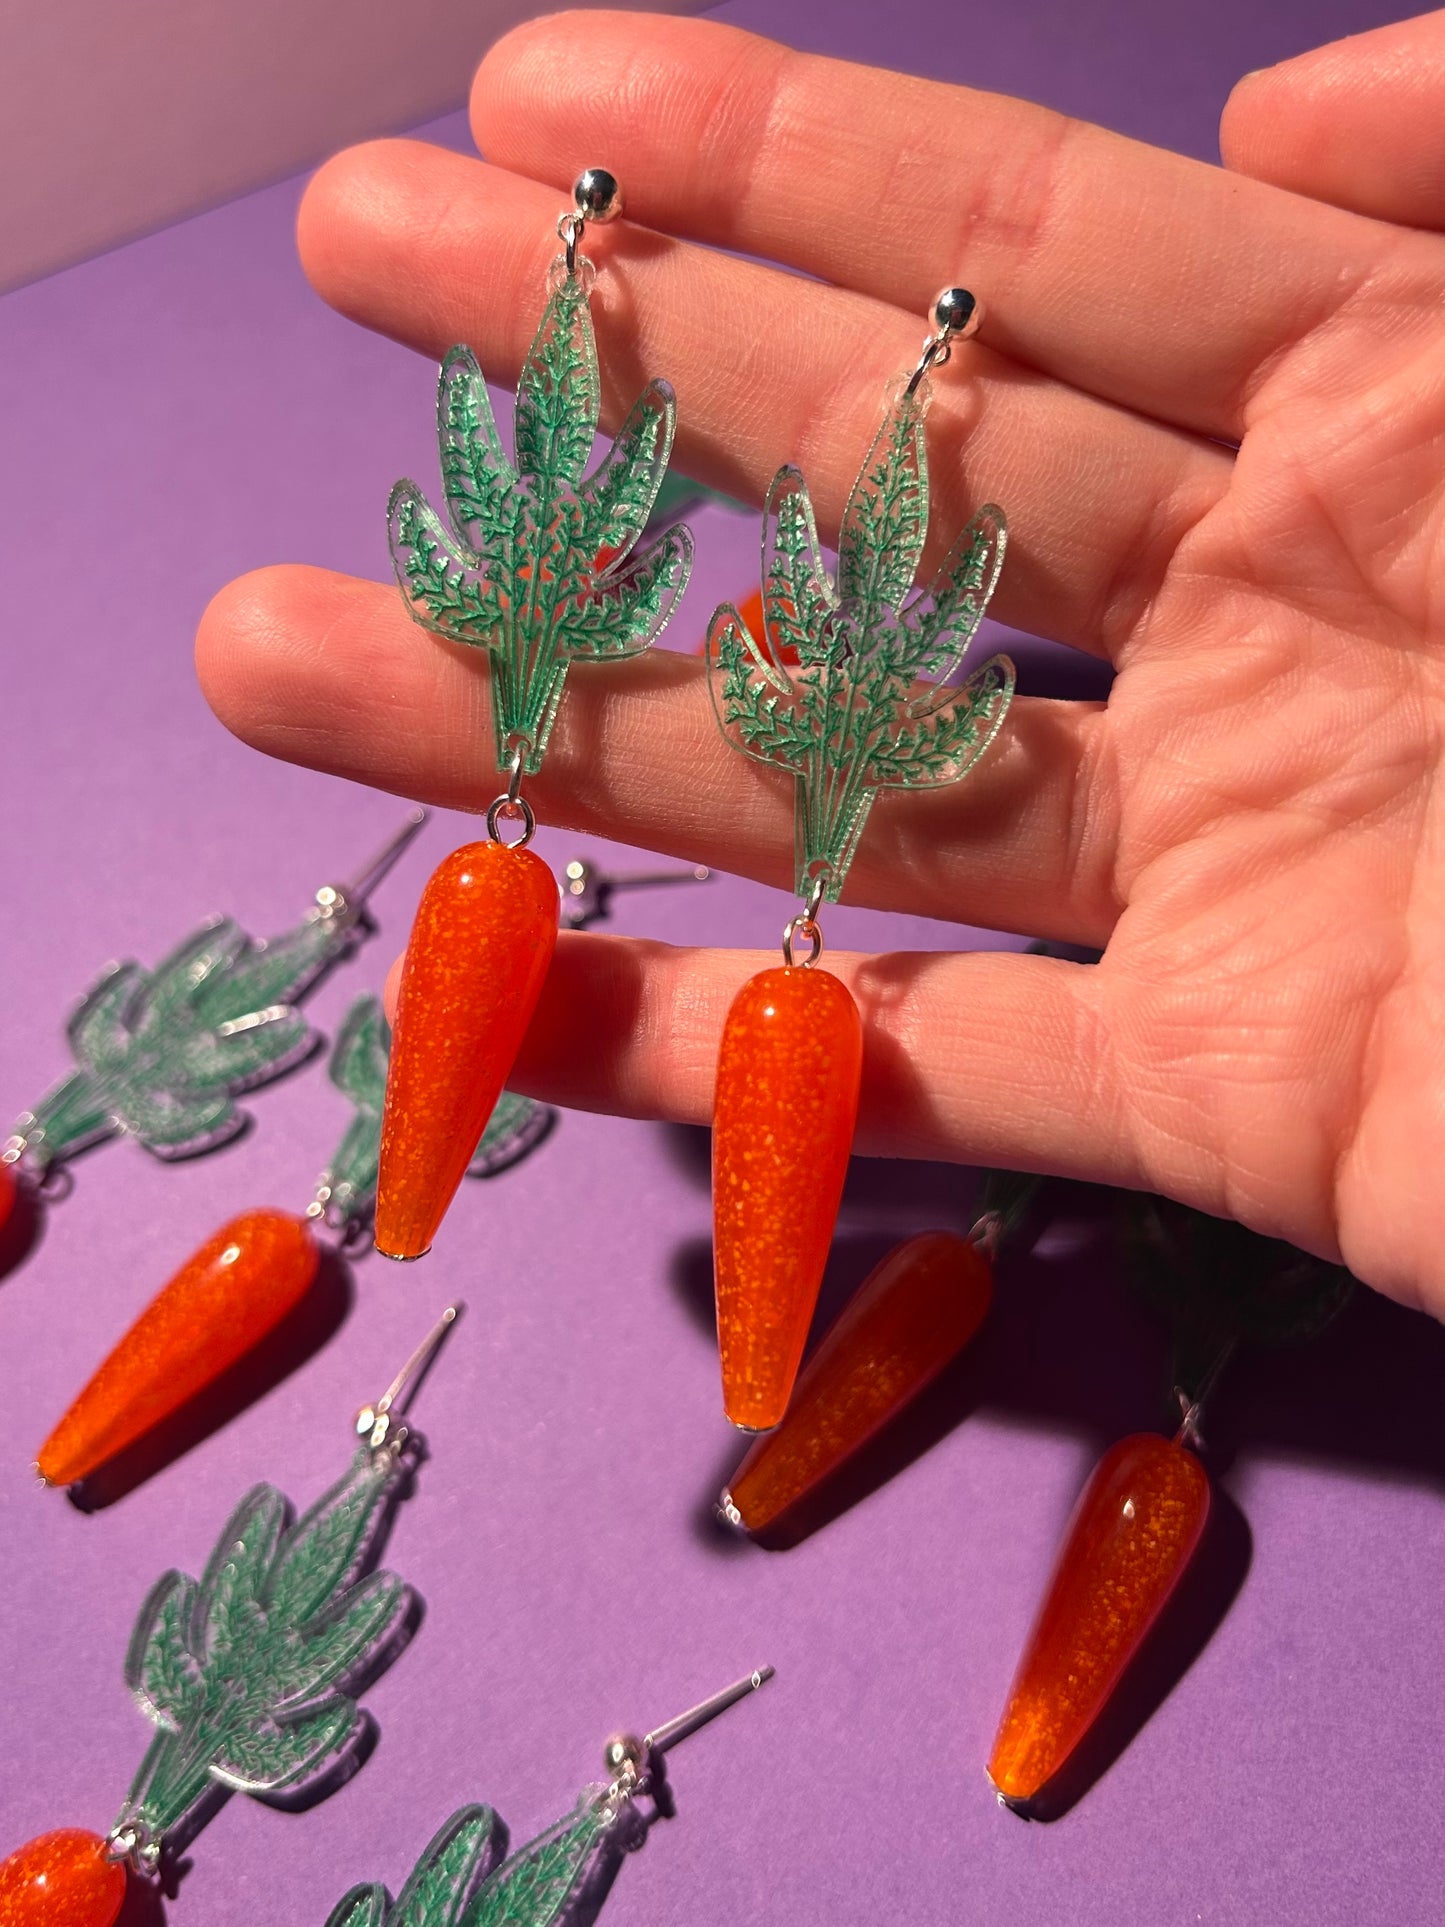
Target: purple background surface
x=184 y=409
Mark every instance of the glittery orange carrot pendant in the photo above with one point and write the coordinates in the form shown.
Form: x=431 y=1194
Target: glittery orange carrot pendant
x=533 y=565
x=910 y=1318
x=257 y=1268
x=1143 y=1513
x=849 y=690
x=249 y=1676
x=1132 y=1535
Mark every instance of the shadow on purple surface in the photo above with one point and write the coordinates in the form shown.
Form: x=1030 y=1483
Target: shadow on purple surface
x=143 y=1906
x=301 y=1333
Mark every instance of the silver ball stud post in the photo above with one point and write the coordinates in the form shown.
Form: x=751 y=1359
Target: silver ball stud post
x=597 y=196
x=623 y=1750
x=957 y=313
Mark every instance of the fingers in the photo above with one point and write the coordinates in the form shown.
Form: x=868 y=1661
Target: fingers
x=983 y=1057
x=1356 y=123
x=435 y=248
x=1152 y=280
x=331 y=672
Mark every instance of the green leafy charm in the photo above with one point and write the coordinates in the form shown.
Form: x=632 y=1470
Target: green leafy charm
x=162 y=1054
x=249 y=1674
x=534 y=561
x=358 y=1067
x=560 y=1879
x=848 y=688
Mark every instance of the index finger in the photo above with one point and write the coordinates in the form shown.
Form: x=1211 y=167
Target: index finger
x=1135 y=274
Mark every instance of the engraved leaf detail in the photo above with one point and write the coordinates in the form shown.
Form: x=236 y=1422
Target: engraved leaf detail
x=250 y=1675
x=849 y=686
x=556 y=1879
x=163 y=1054
x=534 y=563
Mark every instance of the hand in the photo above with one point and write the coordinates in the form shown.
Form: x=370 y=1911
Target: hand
x=1252 y=825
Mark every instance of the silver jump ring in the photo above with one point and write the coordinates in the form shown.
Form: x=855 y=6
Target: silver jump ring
x=802 y=926
x=936 y=351
x=569 y=232
x=513 y=809
x=514 y=778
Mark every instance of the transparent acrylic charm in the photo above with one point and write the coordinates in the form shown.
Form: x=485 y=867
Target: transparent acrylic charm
x=162 y=1054
x=848 y=687
x=462 y=1880
x=534 y=562
x=249 y=1674
x=561 y=1878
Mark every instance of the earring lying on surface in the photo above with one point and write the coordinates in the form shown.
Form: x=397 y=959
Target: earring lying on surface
x=532 y=566
x=250 y=1675
x=161 y=1055
x=561 y=1878
x=1140 y=1518
x=865 y=708
x=258 y=1267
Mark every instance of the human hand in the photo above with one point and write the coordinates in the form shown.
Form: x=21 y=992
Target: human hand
x=1251 y=825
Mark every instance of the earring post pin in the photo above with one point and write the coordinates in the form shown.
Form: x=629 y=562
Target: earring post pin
x=403 y=1387
x=361 y=886
x=663 y=1737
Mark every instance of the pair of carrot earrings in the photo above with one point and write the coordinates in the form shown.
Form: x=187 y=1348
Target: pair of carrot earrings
x=848 y=688
x=251 y=1677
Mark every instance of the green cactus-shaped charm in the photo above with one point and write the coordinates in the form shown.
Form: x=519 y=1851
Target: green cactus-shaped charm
x=848 y=687
x=162 y=1054
x=250 y=1674
x=463 y=1879
x=358 y=1067
x=534 y=562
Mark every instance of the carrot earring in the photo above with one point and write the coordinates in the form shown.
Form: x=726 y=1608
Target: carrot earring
x=847 y=689
x=258 y=1267
x=251 y=1676
x=533 y=565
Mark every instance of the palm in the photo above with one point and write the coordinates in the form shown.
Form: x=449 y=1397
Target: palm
x=1274 y=737
x=1247 y=827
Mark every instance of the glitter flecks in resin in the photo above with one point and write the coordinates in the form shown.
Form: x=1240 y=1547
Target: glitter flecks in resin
x=61 y=1879
x=783 y=1121
x=475 y=965
x=237 y=1287
x=915 y=1312
x=1133 y=1533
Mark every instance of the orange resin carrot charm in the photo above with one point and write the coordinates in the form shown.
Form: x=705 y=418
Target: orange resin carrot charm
x=913 y=1313
x=1132 y=1535
x=221 y=1302
x=61 y=1879
x=475 y=965
x=786 y=1105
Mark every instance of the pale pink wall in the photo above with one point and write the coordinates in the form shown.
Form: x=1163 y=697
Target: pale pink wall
x=118 y=116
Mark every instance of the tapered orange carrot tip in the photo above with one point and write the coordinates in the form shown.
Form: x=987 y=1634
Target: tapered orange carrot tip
x=61 y=1879
x=1132 y=1535
x=475 y=965
x=914 y=1312
x=221 y=1302
x=783 y=1120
